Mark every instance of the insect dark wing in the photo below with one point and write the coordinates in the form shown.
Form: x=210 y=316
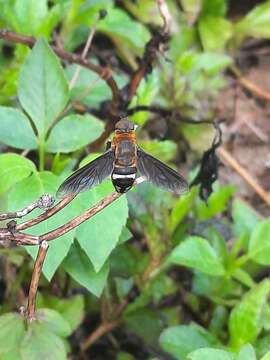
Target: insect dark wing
x=88 y=176
x=160 y=174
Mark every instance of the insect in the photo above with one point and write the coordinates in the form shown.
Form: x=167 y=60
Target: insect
x=122 y=161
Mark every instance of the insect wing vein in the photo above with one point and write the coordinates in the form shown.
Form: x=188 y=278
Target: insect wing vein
x=160 y=174
x=88 y=176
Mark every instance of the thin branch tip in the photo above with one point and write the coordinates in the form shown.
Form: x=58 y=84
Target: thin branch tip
x=31 y=306
x=68 y=56
x=44 y=244
x=12 y=233
x=45 y=202
x=166 y=16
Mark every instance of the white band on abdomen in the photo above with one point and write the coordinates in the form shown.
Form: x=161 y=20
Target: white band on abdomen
x=121 y=176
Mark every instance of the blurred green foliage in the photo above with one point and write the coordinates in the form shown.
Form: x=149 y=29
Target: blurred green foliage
x=143 y=239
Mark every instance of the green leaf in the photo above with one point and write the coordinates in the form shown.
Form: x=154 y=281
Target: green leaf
x=119 y=26
x=161 y=286
x=266 y=356
x=217 y=202
x=196 y=252
x=259 y=245
x=191 y=6
x=42 y=88
x=214 y=289
x=128 y=35
x=192 y=9
x=11 y=333
x=181 y=209
x=125 y=235
x=123 y=286
x=214 y=7
x=212 y=63
x=13 y=168
x=124 y=356
x=15 y=129
x=99 y=235
x=123 y=261
x=210 y=354
x=247 y=352
x=12 y=355
x=163 y=150
x=263 y=346
x=72 y=309
x=181 y=45
x=181 y=340
x=54 y=16
x=145 y=94
x=218 y=243
x=25 y=9
x=98 y=92
x=74 y=132
x=207 y=64
x=219 y=320
x=244 y=218
x=40 y=343
x=266 y=321
x=54 y=321
x=31 y=189
x=86 y=12
x=245 y=321
x=152 y=321
x=214 y=32
x=145 y=11
x=198 y=143
x=244 y=277
x=78 y=265
x=255 y=23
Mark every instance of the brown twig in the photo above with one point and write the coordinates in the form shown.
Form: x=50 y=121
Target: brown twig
x=117 y=104
x=165 y=14
x=103 y=72
x=167 y=112
x=255 y=89
x=101 y=330
x=61 y=230
x=85 y=216
x=151 y=108
x=84 y=54
x=42 y=241
x=152 y=49
x=28 y=239
x=110 y=125
x=249 y=85
x=229 y=160
x=109 y=128
x=46 y=215
x=18 y=238
x=43 y=248
x=44 y=202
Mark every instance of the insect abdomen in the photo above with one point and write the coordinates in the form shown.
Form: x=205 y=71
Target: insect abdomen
x=123 y=178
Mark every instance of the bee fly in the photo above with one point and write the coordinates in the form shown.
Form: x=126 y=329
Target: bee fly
x=122 y=161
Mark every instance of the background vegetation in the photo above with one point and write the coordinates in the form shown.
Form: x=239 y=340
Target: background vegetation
x=153 y=276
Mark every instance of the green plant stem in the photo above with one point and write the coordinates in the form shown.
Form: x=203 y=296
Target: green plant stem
x=41 y=153
x=243 y=259
x=8 y=305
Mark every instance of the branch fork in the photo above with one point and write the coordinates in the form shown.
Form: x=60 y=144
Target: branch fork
x=12 y=232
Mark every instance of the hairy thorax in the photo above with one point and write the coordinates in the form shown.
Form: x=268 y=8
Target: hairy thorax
x=125 y=149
